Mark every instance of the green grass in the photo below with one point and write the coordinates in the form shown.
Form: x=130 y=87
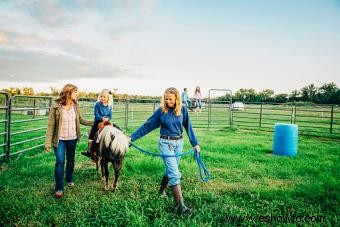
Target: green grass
x=246 y=180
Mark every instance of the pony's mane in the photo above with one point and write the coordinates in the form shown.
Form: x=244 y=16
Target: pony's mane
x=115 y=140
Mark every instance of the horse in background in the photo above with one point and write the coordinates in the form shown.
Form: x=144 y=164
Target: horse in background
x=111 y=146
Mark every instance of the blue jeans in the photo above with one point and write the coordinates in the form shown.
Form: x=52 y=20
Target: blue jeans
x=187 y=103
x=171 y=147
x=198 y=103
x=70 y=147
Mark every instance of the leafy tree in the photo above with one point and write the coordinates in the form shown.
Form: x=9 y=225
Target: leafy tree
x=82 y=94
x=246 y=95
x=294 y=96
x=308 y=93
x=54 y=91
x=329 y=94
x=27 y=91
x=92 y=95
x=12 y=91
x=281 y=98
x=42 y=94
x=266 y=95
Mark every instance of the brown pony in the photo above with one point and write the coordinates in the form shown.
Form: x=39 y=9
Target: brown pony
x=112 y=146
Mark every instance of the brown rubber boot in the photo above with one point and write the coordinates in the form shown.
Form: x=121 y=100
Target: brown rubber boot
x=164 y=184
x=94 y=147
x=181 y=208
x=88 y=153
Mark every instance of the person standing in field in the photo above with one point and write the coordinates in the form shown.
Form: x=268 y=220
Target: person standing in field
x=102 y=113
x=198 y=99
x=63 y=132
x=171 y=117
x=186 y=99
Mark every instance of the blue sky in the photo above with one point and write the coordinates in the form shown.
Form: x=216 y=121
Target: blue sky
x=145 y=46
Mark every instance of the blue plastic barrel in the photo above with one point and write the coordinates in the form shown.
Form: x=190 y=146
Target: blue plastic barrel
x=285 y=139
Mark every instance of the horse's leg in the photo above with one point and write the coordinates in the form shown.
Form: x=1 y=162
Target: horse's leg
x=106 y=172
x=97 y=165
x=117 y=165
x=102 y=168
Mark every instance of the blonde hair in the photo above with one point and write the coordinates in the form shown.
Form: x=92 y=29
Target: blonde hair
x=106 y=92
x=178 y=102
x=65 y=93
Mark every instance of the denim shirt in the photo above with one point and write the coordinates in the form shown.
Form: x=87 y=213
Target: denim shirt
x=101 y=111
x=169 y=123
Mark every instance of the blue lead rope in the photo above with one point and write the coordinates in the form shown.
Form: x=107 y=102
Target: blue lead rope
x=160 y=155
x=197 y=157
x=201 y=167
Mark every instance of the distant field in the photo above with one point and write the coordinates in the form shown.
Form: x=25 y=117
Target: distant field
x=247 y=180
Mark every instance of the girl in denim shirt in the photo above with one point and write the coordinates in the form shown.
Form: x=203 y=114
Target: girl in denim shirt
x=171 y=117
x=102 y=113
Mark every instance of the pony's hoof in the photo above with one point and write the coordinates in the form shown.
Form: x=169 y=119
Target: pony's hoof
x=163 y=195
x=114 y=187
x=106 y=187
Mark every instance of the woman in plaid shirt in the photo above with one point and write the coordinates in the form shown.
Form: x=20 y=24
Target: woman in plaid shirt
x=63 y=132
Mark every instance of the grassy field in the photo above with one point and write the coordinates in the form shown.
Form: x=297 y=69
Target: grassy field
x=247 y=181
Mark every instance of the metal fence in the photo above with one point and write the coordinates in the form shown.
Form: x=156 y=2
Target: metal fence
x=24 y=119
x=4 y=113
x=317 y=120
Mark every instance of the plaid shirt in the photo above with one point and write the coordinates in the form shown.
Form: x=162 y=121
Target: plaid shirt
x=68 y=124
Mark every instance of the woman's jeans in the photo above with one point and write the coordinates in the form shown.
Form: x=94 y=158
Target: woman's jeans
x=171 y=147
x=198 y=103
x=70 y=147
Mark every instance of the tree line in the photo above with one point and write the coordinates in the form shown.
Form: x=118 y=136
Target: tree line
x=28 y=91
x=328 y=93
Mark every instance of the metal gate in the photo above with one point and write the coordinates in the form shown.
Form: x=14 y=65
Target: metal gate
x=23 y=111
x=220 y=112
x=4 y=112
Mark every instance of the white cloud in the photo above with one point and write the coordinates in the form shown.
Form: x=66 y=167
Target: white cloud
x=137 y=48
x=59 y=40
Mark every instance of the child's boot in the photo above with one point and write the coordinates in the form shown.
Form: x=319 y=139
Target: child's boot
x=89 y=151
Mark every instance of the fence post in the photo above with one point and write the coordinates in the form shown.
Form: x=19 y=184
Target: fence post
x=154 y=105
x=231 y=114
x=34 y=106
x=331 y=126
x=209 y=111
x=292 y=115
x=6 y=153
x=126 y=113
x=261 y=114
x=50 y=102
x=9 y=127
x=294 y=122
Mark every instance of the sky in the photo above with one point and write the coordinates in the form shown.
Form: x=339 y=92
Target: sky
x=144 y=46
